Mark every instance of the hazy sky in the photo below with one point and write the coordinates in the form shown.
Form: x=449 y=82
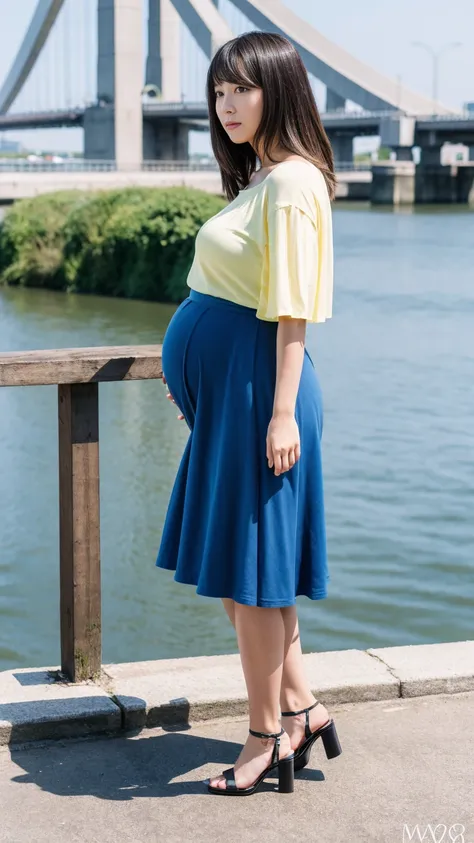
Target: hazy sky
x=377 y=32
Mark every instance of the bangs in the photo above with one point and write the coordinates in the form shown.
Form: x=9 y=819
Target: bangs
x=229 y=65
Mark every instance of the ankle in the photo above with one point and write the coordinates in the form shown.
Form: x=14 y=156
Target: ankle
x=268 y=728
x=295 y=702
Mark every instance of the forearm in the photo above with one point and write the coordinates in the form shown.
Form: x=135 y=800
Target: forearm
x=290 y=355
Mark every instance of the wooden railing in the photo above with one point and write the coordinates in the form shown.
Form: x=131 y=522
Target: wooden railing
x=78 y=372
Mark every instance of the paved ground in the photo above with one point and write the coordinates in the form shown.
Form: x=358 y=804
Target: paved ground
x=406 y=773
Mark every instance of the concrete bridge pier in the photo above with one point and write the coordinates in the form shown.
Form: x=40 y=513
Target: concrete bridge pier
x=113 y=128
x=436 y=183
x=428 y=183
x=431 y=155
x=465 y=184
x=403 y=153
x=398 y=134
x=99 y=133
x=393 y=183
x=342 y=146
x=166 y=140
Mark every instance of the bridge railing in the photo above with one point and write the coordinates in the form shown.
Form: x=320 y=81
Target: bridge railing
x=77 y=372
x=458 y=117
x=69 y=165
x=75 y=113
x=155 y=106
x=73 y=165
x=350 y=166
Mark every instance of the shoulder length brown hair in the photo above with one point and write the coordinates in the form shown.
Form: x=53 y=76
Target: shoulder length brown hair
x=290 y=116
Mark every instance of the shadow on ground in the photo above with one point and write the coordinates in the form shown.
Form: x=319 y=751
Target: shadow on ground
x=123 y=768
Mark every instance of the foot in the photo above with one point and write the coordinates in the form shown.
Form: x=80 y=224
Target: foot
x=294 y=725
x=252 y=761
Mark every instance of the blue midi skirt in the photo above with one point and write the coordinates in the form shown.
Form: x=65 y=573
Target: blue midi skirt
x=232 y=528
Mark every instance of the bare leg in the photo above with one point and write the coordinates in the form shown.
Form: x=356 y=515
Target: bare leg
x=229 y=606
x=295 y=692
x=261 y=639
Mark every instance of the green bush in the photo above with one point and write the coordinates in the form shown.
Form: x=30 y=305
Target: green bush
x=133 y=243
x=31 y=240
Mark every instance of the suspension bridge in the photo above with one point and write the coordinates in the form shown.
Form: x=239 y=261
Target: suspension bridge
x=131 y=74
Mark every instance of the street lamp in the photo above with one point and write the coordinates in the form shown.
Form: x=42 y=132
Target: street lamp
x=435 y=55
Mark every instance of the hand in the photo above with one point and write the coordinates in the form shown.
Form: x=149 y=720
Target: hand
x=283 y=443
x=168 y=395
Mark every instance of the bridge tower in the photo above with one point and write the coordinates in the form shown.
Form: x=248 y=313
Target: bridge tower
x=167 y=139
x=113 y=127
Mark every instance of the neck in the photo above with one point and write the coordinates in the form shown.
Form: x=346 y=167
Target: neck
x=277 y=154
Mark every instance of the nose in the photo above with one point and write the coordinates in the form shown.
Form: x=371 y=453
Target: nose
x=226 y=104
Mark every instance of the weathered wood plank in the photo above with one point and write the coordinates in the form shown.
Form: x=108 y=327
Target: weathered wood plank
x=79 y=531
x=80 y=365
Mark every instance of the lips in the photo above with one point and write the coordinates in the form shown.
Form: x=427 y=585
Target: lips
x=232 y=125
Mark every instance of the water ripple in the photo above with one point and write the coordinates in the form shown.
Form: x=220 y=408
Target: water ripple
x=396 y=366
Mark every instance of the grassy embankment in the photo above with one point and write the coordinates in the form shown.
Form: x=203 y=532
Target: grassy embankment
x=132 y=243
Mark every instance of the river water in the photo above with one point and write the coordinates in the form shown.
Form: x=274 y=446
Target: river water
x=396 y=364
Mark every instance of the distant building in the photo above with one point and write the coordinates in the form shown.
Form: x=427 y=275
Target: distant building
x=469 y=107
x=452 y=153
x=9 y=145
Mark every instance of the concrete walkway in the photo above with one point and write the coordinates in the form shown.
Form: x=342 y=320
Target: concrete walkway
x=17 y=185
x=406 y=772
x=36 y=704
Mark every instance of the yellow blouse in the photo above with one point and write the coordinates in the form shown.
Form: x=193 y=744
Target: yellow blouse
x=271 y=247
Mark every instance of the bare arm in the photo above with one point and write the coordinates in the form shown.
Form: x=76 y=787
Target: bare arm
x=283 y=441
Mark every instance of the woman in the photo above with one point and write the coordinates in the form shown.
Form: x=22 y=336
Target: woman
x=245 y=521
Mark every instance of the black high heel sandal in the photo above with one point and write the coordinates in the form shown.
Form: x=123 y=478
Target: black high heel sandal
x=285 y=771
x=327 y=732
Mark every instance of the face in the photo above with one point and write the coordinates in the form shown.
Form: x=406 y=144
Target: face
x=239 y=105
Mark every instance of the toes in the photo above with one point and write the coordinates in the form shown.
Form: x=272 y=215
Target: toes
x=219 y=782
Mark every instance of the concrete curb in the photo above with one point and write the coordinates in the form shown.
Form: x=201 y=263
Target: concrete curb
x=36 y=704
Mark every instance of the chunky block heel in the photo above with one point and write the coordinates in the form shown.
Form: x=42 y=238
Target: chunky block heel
x=331 y=741
x=285 y=768
x=327 y=733
x=286 y=775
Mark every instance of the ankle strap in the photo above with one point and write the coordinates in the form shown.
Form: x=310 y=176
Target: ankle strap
x=276 y=747
x=305 y=711
x=302 y=711
x=266 y=734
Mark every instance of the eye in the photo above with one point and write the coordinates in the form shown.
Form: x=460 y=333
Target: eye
x=241 y=87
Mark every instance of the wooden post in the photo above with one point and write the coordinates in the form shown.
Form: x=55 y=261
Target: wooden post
x=80 y=603
x=78 y=372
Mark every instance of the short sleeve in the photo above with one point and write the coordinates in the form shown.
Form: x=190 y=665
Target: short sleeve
x=297 y=266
